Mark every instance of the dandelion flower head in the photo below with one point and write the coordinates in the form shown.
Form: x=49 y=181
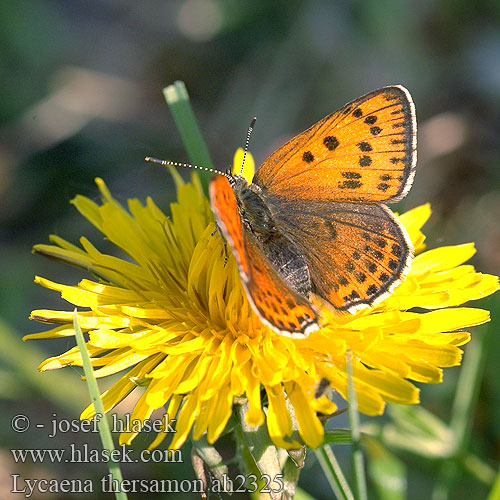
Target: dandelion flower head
x=173 y=319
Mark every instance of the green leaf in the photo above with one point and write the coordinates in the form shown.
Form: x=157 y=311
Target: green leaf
x=415 y=430
x=416 y=419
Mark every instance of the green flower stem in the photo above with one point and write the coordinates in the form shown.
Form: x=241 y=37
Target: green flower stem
x=104 y=431
x=357 y=455
x=211 y=457
x=465 y=400
x=245 y=457
x=333 y=473
x=177 y=98
x=257 y=453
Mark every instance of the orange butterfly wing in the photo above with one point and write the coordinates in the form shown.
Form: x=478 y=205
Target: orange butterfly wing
x=356 y=253
x=365 y=151
x=284 y=310
x=224 y=205
x=277 y=305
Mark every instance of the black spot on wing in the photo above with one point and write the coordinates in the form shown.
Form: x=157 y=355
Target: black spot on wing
x=330 y=142
x=308 y=157
x=396 y=250
x=365 y=146
x=351 y=175
x=350 y=185
x=360 y=276
x=365 y=161
x=393 y=264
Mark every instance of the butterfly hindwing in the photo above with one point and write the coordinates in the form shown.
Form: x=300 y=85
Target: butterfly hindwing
x=277 y=305
x=364 y=152
x=356 y=253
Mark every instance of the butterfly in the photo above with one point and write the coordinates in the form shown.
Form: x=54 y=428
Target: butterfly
x=313 y=222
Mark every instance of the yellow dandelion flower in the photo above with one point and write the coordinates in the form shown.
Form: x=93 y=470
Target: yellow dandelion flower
x=176 y=321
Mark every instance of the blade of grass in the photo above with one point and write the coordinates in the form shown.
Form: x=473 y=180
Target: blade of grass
x=357 y=454
x=104 y=431
x=337 y=436
x=333 y=473
x=177 y=98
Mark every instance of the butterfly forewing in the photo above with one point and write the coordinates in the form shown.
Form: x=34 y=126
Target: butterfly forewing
x=364 y=152
x=356 y=253
x=224 y=204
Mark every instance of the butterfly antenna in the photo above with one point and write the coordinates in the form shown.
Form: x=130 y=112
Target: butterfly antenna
x=166 y=163
x=249 y=133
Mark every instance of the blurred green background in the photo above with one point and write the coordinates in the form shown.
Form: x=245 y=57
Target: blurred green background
x=81 y=97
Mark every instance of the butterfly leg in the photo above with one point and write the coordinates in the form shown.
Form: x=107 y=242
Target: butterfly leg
x=226 y=256
x=224 y=242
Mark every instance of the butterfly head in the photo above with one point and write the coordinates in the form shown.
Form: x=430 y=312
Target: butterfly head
x=253 y=210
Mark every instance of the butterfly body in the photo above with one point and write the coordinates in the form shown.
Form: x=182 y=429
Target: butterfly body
x=313 y=223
